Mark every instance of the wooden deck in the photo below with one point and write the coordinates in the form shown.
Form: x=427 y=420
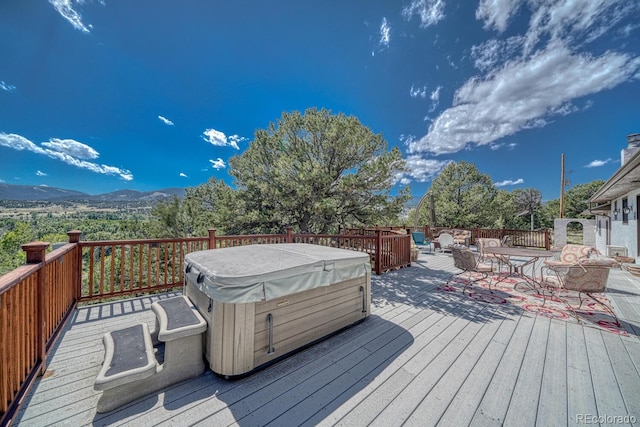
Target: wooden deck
x=422 y=358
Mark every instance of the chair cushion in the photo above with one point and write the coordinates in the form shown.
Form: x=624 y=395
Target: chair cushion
x=571 y=253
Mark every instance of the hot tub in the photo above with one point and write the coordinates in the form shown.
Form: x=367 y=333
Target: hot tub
x=263 y=302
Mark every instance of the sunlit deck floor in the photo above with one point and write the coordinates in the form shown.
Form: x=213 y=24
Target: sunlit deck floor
x=420 y=359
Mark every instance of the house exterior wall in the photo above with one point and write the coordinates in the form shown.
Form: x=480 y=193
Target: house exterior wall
x=601 y=233
x=625 y=234
x=560 y=231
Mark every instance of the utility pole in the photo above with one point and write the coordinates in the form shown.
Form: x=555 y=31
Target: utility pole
x=562 y=188
x=432 y=216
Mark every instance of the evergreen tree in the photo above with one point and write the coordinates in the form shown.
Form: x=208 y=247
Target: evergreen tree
x=317 y=172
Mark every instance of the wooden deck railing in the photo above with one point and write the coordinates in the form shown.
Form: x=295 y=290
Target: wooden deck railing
x=35 y=301
x=117 y=268
x=37 y=298
x=525 y=238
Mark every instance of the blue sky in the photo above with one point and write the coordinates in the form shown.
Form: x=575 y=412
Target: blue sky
x=102 y=95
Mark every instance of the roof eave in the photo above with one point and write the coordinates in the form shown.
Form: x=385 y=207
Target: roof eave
x=624 y=180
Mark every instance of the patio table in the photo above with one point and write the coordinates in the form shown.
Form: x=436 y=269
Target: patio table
x=508 y=255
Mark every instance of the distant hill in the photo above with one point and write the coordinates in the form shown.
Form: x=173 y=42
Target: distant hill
x=40 y=193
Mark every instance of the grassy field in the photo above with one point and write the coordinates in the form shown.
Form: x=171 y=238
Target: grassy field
x=24 y=211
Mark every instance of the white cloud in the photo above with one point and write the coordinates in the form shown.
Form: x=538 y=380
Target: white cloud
x=66 y=9
x=165 y=121
x=418 y=92
x=435 y=99
x=385 y=33
x=234 y=140
x=523 y=94
x=530 y=78
x=183 y=175
x=598 y=163
x=420 y=169
x=215 y=137
x=6 y=86
x=40 y=173
x=496 y=146
x=509 y=182
x=496 y=13
x=430 y=11
x=72 y=148
x=435 y=95
x=494 y=52
x=576 y=22
x=65 y=150
x=218 y=163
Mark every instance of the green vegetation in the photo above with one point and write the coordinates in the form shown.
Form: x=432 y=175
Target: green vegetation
x=466 y=198
x=316 y=172
x=114 y=225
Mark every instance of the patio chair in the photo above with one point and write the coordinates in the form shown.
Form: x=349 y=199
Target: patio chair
x=466 y=261
x=571 y=253
x=462 y=237
x=418 y=237
x=485 y=242
x=586 y=279
x=445 y=242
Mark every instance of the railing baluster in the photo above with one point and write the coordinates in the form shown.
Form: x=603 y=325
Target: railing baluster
x=121 y=268
x=112 y=276
x=102 y=254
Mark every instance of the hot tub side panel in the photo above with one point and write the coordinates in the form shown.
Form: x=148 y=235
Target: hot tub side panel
x=229 y=340
x=308 y=316
x=237 y=341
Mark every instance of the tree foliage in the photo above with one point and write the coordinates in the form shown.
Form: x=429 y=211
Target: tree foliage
x=527 y=201
x=576 y=200
x=316 y=172
x=463 y=197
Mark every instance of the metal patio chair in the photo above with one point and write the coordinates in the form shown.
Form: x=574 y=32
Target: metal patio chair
x=465 y=260
x=585 y=278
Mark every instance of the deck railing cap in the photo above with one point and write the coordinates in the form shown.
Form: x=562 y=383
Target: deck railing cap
x=35 y=251
x=74 y=236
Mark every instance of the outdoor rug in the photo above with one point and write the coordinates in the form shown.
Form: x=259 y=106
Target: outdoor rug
x=518 y=293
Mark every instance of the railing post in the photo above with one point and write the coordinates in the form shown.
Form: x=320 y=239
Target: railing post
x=74 y=237
x=36 y=253
x=408 y=244
x=378 y=257
x=289 y=235
x=547 y=242
x=212 y=238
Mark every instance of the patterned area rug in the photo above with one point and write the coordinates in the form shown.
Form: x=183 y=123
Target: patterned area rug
x=519 y=293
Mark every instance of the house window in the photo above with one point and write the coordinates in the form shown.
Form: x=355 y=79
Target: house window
x=625 y=211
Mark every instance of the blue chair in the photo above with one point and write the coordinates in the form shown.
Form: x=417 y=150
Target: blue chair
x=418 y=237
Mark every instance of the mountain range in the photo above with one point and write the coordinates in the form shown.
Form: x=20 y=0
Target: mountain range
x=43 y=193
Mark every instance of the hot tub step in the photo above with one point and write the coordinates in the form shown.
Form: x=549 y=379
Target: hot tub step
x=130 y=369
x=128 y=357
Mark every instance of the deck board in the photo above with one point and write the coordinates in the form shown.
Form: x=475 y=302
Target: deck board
x=580 y=397
x=436 y=402
x=528 y=384
x=622 y=364
x=553 y=392
x=423 y=357
x=608 y=395
x=464 y=404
